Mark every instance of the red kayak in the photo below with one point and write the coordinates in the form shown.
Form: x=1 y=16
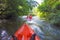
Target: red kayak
x=25 y=33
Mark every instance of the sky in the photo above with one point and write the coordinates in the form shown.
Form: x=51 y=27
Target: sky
x=39 y=1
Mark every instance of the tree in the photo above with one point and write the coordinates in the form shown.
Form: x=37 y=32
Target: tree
x=50 y=10
x=9 y=12
x=19 y=7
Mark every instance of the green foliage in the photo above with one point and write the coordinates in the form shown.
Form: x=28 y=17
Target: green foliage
x=50 y=11
x=9 y=12
x=18 y=7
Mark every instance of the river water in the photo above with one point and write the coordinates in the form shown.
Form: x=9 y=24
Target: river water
x=44 y=29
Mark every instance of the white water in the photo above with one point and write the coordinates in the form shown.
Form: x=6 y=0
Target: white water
x=44 y=30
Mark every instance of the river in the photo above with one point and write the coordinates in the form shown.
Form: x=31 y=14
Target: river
x=43 y=29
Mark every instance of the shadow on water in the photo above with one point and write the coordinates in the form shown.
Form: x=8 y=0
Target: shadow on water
x=11 y=25
x=44 y=30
